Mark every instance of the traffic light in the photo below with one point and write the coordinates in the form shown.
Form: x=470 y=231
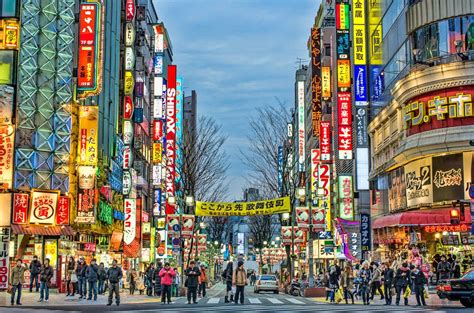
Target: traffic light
x=454 y=214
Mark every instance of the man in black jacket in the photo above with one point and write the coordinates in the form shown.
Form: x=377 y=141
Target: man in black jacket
x=402 y=281
x=192 y=281
x=149 y=276
x=388 y=277
x=92 y=276
x=159 y=266
x=81 y=277
x=419 y=280
x=114 y=274
x=35 y=268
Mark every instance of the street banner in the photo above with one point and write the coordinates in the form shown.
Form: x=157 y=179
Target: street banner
x=88 y=135
x=318 y=218
x=265 y=207
x=43 y=207
x=62 y=213
x=85 y=206
x=187 y=226
x=316 y=84
x=286 y=235
x=302 y=217
x=346 y=197
x=170 y=138
x=129 y=225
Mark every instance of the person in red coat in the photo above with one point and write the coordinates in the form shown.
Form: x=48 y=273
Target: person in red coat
x=166 y=274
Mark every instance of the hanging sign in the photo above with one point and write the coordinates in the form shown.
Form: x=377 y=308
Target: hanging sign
x=86 y=177
x=171 y=136
x=346 y=197
x=130 y=223
x=130 y=10
x=9 y=34
x=88 y=132
x=315 y=160
x=157 y=152
x=360 y=85
x=62 y=213
x=127 y=132
x=43 y=207
x=302 y=217
x=129 y=34
x=7 y=135
x=344 y=110
x=129 y=59
x=324 y=182
x=20 y=208
x=127 y=107
x=157 y=130
x=325 y=141
x=127 y=157
x=365 y=232
x=127 y=183
x=187 y=226
x=316 y=87
x=266 y=207
x=326 y=82
x=4 y=257
x=156 y=175
x=86 y=206
x=158 y=64
x=343 y=73
x=128 y=83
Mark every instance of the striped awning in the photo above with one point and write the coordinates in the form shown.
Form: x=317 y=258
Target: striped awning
x=43 y=230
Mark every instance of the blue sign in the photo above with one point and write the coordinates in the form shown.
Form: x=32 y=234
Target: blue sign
x=176 y=227
x=377 y=82
x=360 y=90
x=119 y=215
x=157 y=202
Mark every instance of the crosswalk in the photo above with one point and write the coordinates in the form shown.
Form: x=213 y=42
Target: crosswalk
x=250 y=300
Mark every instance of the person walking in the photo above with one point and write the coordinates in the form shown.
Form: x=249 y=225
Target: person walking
x=71 y=278
x=375 y=281
x=202 y=281
x=388 y=279
x=239 y=279
x=102 y=276
x=35 y=268
x=176 y=283
x=114 y=275
x=167 y=274
x=334 y=274
x=402 y=280
x=132 y=280
x=192 y=274
x=46 y=274
x=149 y=275
x=157 y=278
x=443 y=269
x=347 y=284
x=17 y=279
x=92 y=276
x=253 y=278
x=227 y=278
x=81 y=278
x=455 y=268
x=364 y=279
x=419 y=281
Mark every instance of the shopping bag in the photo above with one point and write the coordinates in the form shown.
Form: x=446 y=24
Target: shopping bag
x=426 y=294
x=393 y=291
x=339 y=295
x=73 y=278
x=234 y=289
x=407 y=292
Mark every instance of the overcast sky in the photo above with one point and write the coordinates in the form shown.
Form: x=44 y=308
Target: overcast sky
x=237 y=55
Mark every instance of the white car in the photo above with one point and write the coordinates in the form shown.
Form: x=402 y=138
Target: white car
x=266 y=283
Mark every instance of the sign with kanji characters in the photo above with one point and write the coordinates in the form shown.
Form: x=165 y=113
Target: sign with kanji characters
x=130 y=223
x=130 y=10
x=9 y=34
x=365 y=232
x=20 y=208
x=362 y=121
x=315 y=160
x=88 y=69
x=326 y=82
x=301 y=126
x=43 y=207
x=316 y=88
x=325 y=141
x=346 y=197
x=302 y=217
x=86 y=201
x=7 y=135
x=354 y=242
x=157 y=130
x=157 y=152
x=129 y=34
x=264 y=207
x=128 y=83
x=324 y=183
x=343 y=73
x=127 y=157
x=88 y=135
x=342 y=15
x=62 y=213
x=323 y=249
x=159 y=38
x=343 y=44
x=127 y=132
x=280 y=170
x=4 y=257
x=344 y=136
x=127 y=107
x=440 y=109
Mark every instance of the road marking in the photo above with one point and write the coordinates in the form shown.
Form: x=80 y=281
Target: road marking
x=255 y=301
x=295 y=301
x=213 y=300
x=274 y=301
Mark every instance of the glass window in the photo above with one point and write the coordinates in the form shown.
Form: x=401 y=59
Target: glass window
x=7 y=66
x=8 y=8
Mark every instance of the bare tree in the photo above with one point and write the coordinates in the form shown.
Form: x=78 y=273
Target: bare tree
x=216 y=226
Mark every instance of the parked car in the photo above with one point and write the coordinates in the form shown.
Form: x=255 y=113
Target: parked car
x=266 y=283
x=461 y=289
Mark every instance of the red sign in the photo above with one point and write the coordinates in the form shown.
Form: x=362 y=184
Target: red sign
x=302 y=217
x=88 y=246
x=127 y=107
x=439 y=109
x=62 y=212
x=170 y=136
x=448 y=228
x=127 y=157
x=344 y=110
x=157 y=130
x=20 y=208
x=86 y=204
x=325 y=141
x=130 y=10
x=86 y=76
x=188 y=225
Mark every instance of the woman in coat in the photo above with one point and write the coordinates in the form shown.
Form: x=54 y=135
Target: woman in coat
x=227 y=278
x=364 y=279
x=46 y=274
x=346 y=283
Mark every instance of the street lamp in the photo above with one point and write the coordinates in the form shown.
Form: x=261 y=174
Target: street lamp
x=301 y=192
x=265 y=243
x=285 y=216
x=171 y=200
x=189 y=200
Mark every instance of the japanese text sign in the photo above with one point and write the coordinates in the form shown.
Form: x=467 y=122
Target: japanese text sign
x=62 y=213
x=43 y=207
x=325 y=141
x=266 y=207
x=20 y=208
x=130 y=223
x=346 y=197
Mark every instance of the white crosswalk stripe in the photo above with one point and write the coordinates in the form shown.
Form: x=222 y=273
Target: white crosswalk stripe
x=213 y=300
x=255 y=301
x=274 y=301
x=295 y=301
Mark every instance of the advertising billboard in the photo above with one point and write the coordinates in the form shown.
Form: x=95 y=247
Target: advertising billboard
x=316 y=84
x=301 y=126
x=129 y=225
x=7 y=135
x=324 y=183
x=346 y=197
x=419 y=182
x=88 y=135
x=170 y=136
x=344 y=113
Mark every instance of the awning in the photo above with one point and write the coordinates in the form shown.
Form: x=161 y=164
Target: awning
x=43 y=230
x=419 y=218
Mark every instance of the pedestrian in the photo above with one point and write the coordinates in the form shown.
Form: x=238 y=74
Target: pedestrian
x=239 y=279
x=227 y=278
x=434 y=265
x=176 y=283
x=46 y=274
x=157 y=278
x=443 y=268
x=102 y=275
x=347 y=284
x=16 y=281
x=114 y=275
x=455 y=268
x=71 y=278
x=334 y=274
x=364 y=279
x=92 y=276
x=132 y=279
x=375 y=281
x=149 y=275
x=81 y=278
x=202 y=281
x=402 y=281
x=419 y=281
x=141 y=283
x=388 y=279
x=253 y=278
x=166 y=274
x=35 y=268
x=192 y=273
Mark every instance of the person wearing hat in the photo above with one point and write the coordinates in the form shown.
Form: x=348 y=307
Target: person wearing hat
x=202 y=281
x=239 y=279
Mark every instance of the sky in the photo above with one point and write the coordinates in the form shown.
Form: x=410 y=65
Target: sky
x=238 y=55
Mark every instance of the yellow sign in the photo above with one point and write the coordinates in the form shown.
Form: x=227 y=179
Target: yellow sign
x=326 y=81
x=358 y=11
x=128 y=83
x=157 y=152
x=343 y=73
x=375 y=32
x=51 y=251
x=264 y=207
x=9 y=34
x=359 y=45
x=88 y=135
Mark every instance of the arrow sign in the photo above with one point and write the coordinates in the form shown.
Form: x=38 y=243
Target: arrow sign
x=127 y=107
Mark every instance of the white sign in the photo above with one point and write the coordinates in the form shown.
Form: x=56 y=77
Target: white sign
x=158 y=86
x=129 y=59
x=127 y=157
x=129 y=34
x=419 y=182
x=158 y=112
x=127 y=132
x=126 y=183
x=133 y=190
x=86 y=176
x=157 y=175
x=301 y=126
x=4 y=257
x=43 y=207
x=130 y=223
x=240 y=243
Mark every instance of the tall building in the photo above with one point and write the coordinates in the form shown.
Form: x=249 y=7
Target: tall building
x=421 y=156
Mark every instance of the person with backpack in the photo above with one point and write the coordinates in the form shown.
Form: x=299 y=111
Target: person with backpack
x=239 y=279
x=227 y=279
x=46 y=274
x=92 y=276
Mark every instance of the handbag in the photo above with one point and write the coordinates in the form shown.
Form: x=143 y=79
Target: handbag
x=9 y=289
x=407 y=292
x=426 y=294
x=186 y=283
x=393 y=291
x=73 y=278
x=339 y=295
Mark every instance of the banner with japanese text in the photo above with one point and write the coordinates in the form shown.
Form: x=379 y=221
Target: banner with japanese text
x=88 y=135
x=264 y=207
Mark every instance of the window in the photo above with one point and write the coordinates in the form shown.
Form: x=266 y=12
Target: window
x=8 y=8
x=7 y=67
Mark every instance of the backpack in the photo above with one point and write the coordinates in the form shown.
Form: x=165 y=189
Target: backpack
x=224 y=274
